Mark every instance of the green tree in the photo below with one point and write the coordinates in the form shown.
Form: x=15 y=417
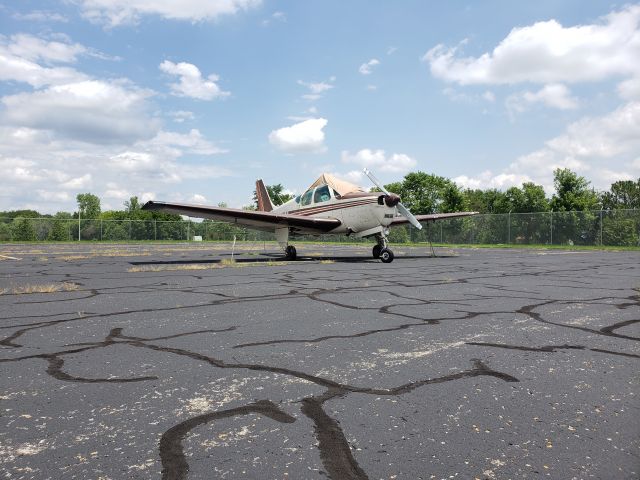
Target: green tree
x=530 y=198
x=60 y=230
x=88 y=205
x=276 y=193
x=572 y=192
x=423 y=193
x=5 y=232
x=21 y=213
x=23 y=230
x=484 y=201
x=623 y=194
x=133 y=205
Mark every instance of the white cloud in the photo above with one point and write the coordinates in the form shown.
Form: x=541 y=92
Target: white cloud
x=547 y=52
x=157 y=159
x=52 y=196
x=588 y=147
x=192 y=142
x=92 y=111
x=391 y=50
x=181 y=116
x=630 y=89
x=31 y=161
x=487 y=180
x=34 y=48
x=379 y=161
x=316 y=89
x=354 y=176
x=198 y=199
x=366 y=68
x=40 y=16
x=76 y=133
x=192 y=84
x=554 y=95
x=489 y=96
x=20 y=54
x=306 y=136
x=604 y=137
x=275 y=17
x=78 y=182
x=121 y=12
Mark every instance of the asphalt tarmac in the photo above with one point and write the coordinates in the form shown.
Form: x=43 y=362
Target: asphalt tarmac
x=172 y=361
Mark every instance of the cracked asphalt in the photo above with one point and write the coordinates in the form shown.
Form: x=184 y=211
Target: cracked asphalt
x=172 y=362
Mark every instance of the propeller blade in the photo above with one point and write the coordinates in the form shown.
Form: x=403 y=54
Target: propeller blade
x=403 y=210
x=409 y=216
x=375 y=181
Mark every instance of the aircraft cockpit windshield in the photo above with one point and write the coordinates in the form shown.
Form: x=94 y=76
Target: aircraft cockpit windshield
x=322 y=194
x=317 y=195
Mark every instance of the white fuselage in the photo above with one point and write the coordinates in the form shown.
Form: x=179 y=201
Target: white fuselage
x=359 y=213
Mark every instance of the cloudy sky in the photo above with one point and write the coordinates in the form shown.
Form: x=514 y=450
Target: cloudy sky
x=192 y=100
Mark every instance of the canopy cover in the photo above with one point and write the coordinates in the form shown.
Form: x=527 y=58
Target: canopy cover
x=341 y=186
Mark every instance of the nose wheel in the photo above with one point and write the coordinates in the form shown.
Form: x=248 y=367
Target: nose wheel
x=381 y=251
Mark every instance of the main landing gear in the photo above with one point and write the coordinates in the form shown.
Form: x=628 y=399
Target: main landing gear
x=290 y=252
x=381 y=251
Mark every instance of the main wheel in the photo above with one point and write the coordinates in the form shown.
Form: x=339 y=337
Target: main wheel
x=376 y=251
x=291 y=253
x=386 y=255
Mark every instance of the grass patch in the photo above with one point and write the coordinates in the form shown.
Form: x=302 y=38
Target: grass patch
x=225 y=263
x=42 y=288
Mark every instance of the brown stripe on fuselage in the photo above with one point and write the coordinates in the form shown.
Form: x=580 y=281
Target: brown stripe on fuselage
x=334 y=206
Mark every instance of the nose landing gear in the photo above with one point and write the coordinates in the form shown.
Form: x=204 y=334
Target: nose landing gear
x=380 y=250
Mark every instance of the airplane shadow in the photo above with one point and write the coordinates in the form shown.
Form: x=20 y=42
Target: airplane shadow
x=276 y=257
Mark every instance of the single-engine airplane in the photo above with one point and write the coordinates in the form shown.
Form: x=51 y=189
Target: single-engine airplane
x=328 y=206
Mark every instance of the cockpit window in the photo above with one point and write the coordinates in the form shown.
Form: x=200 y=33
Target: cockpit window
x=297 y=199
x=306 y=198
x=322 y=194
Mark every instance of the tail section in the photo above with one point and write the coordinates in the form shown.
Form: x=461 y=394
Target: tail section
x=264 y=201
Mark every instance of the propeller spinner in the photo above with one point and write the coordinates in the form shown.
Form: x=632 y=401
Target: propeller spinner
x=392 y=199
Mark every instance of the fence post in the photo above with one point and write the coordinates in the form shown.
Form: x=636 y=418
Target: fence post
x=509 y=227
x=601 y=239
x=78 y=224
x=188 y=228
x=155 y=229
x=100 y=229
x=441 y=233
x=551 y=239
x=129 y=229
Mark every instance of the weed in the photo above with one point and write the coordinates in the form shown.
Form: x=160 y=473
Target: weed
x=68 y=258
x=43 y=288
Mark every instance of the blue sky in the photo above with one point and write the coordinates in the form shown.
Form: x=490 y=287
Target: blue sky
x=192 y=100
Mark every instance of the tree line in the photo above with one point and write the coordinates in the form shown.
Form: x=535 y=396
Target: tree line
x=421 y=192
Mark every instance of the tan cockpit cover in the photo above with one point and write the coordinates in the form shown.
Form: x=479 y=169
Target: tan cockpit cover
x=341 y=186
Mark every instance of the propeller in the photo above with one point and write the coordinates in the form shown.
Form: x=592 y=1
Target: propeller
x=392 y=199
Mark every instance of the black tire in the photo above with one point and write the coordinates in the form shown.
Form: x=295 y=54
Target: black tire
x=376 y=251
x=386 y=255
x=291 y=253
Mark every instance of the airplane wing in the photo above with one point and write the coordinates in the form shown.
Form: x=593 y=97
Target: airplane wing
x=267 y=221
x=431 y=217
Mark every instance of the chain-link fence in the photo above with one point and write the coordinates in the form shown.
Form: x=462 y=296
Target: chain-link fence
x=602 y=227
